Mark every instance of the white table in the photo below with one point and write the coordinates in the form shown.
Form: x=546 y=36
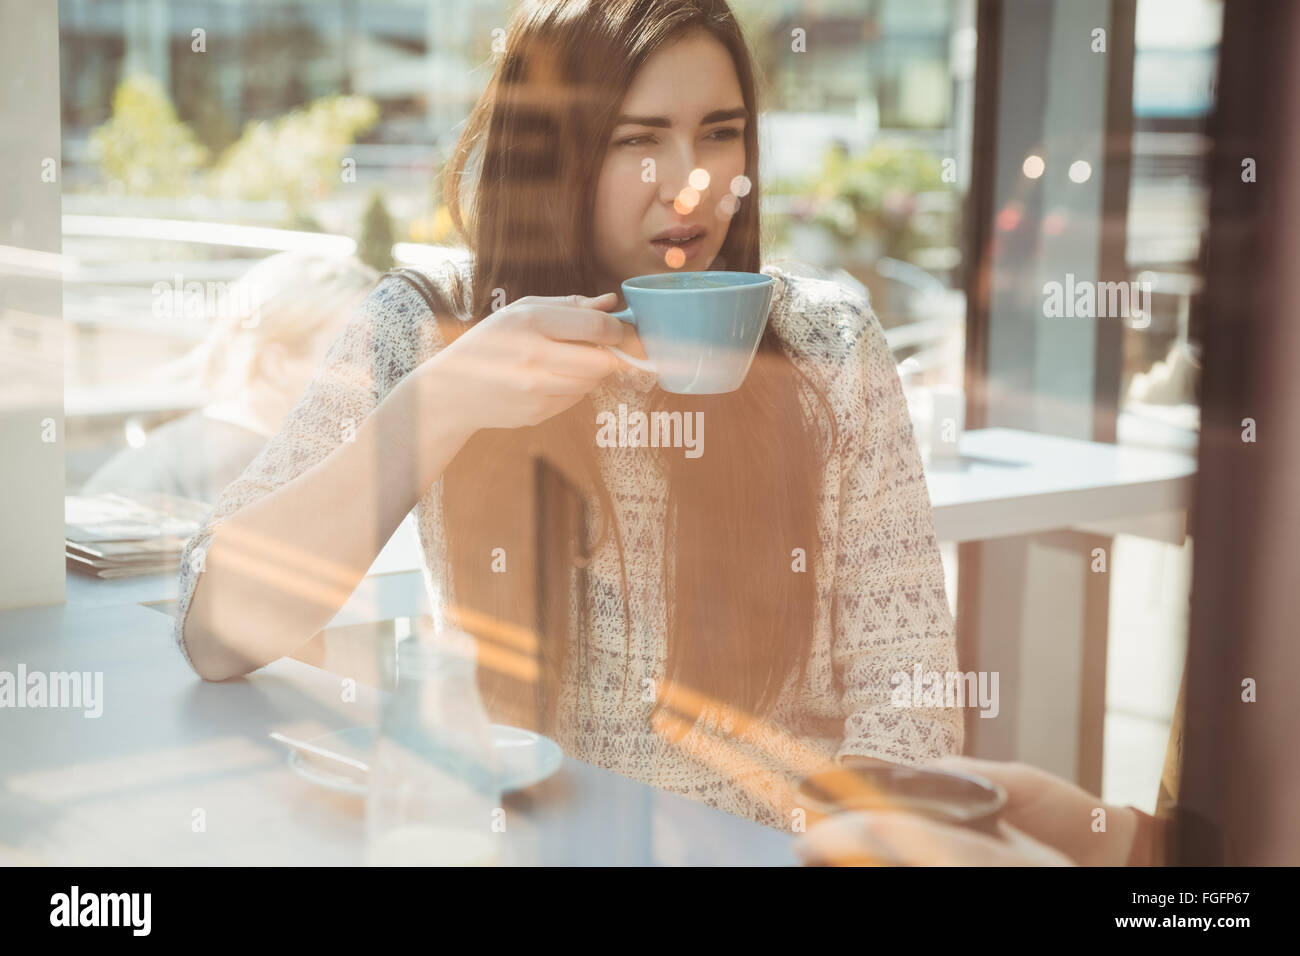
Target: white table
x=393 y=586
x=1010 y=482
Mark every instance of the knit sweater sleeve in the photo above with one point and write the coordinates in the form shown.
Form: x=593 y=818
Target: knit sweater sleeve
x=389 y=335
x=891 y=612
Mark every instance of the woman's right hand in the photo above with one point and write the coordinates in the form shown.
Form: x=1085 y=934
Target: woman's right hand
x=1047 y=821
x=529 y=360
x=1056 y=812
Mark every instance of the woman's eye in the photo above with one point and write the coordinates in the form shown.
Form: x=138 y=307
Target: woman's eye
x=718 y=135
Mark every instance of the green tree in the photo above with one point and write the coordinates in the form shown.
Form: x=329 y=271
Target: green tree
x=375 y=247
x=879 y=194
x=295 y=157
x=143 y=149
x=199 y=103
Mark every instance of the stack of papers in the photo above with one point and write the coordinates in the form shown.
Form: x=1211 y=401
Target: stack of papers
x=113 y=536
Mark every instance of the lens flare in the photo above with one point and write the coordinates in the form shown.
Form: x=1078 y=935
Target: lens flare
x=727 y=206
x=699 y=179
x=740 y=186
x=674 y=258
x=686 y=200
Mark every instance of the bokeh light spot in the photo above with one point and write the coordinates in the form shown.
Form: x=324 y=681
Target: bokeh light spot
x=1054 y=223
x=136 y=437
x=1009 y=216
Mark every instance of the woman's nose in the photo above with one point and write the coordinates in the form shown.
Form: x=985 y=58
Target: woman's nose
x=675 y=179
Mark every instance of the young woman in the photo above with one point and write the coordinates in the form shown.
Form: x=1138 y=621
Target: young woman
x=725 y=622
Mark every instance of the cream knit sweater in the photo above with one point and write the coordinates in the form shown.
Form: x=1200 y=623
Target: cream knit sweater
x=882 y=572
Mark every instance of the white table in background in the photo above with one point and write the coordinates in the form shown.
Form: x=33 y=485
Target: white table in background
x=1015 y=491
x=1011 y=482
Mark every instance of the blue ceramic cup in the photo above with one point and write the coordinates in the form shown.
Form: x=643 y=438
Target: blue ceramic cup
x=700 y=329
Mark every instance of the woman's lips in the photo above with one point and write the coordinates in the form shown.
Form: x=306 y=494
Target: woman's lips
x=690 y=248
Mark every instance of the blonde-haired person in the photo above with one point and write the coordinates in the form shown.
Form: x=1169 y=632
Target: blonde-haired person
x=255 y=363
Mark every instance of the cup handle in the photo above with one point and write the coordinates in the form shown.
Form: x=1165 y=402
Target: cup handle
x=625 y=315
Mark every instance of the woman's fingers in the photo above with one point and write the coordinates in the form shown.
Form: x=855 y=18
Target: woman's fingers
x=569 y=324
x=508 y=366
x=890 y=839
x=1018 y=780
x=575 y=300
x=993 y=769
x=560 y=385
x=910 y=840
x=578 y=361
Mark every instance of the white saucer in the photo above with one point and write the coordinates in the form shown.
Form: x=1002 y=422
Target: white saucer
x=525 y=758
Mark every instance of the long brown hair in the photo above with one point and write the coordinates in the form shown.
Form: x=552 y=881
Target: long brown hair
x=739 y=617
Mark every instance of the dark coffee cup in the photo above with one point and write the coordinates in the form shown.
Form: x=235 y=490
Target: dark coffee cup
x=956 y=798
